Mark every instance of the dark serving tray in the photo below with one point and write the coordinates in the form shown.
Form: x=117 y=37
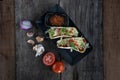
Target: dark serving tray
x=70 y=57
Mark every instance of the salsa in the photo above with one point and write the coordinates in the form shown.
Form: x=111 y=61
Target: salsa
x=57 y=20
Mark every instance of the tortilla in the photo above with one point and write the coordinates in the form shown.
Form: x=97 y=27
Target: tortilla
x=75 y=43
x=60 y=32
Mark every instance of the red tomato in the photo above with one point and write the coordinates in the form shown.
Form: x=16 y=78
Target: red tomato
x=58 y=67
x=81 y=49
x=84 y=40
x=49 y=58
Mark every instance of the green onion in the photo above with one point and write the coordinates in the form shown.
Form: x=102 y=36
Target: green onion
x=72 y=45
x=63 y=30
x=51 y=32
x=62 y=42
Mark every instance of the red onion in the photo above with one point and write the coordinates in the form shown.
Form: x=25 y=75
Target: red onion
x=25 y=25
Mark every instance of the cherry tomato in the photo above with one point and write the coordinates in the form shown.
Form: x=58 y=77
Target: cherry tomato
x=58 y=67
x=49 y=58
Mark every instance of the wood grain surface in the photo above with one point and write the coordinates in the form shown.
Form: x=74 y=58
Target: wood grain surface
x=7 y=41
x=111 y=21
x=27 y=66
x=111 y=40
x=87 y=15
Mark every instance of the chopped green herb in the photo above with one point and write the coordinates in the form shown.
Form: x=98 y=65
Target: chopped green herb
x=63 y=30
x=62 y=42
x=51 y=32
x=72 y=45
x=82 y=45
x=67 y=33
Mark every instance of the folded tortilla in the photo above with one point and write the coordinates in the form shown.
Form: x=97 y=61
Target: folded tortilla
x=60 y=32
x=76 y=43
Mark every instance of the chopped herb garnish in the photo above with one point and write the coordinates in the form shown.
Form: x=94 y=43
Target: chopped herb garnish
x=62 y=42
x=63 y=30
x=51 y=32
x=82 y=45
x=72 y=45
x=67 y=33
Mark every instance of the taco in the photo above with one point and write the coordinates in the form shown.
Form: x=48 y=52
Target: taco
x=60 y=32
x=75 y=43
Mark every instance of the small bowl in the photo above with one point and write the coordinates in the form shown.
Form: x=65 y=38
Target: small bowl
x=49 y=15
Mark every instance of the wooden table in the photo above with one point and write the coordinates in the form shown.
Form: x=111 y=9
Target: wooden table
x=86 y=14
x=17 y=58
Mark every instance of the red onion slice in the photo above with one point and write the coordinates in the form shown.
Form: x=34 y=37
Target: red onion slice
x=25 y=25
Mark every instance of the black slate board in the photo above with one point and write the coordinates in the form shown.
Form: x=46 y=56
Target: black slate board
x=70 y=57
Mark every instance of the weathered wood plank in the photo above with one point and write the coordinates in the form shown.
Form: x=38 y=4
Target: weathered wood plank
x=1 y=58
x=7 y=48
x=90 y=24
x=111 y=23
x=70 y=10
x=29 y=67
x=0 y=12
x=87 y=15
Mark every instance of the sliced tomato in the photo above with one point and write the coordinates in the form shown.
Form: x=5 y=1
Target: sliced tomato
x=49 y=58
x=84 y=40
x=81 y=49
x=58 y=67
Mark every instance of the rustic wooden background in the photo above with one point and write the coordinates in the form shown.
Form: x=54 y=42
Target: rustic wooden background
x=86 y=14
x=81 y=71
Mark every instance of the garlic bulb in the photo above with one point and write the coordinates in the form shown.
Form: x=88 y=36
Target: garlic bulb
x=39 y=49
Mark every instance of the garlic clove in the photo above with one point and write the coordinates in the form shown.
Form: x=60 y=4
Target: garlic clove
x=39 y=49
x=35 y=48
x=39 y=39
x=30 y=34
x=30 y=42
